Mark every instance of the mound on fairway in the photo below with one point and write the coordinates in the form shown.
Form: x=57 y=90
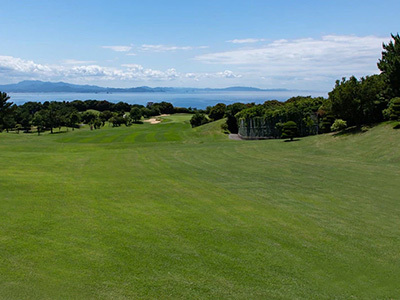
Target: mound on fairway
x=165 y=211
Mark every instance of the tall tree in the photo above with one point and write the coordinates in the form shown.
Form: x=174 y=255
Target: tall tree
x=5 y=108
x=390 y=64
x=345 y=99
x=39 y=121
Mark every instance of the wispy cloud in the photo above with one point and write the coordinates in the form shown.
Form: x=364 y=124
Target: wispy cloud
x=246 y=41
x=165 y=48
x=118 y=48
x=78 y=62
x=225 y=74
x=331 y=55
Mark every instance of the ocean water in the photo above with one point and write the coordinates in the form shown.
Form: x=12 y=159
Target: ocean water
x=194 y=100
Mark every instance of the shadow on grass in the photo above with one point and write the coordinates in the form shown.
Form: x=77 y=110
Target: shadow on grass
x=294 y=140
x=354 y=130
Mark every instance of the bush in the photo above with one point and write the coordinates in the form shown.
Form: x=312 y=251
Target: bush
x=394 y=109
x=224 y=128
x=198 y=119
x=338 y=125
x=289 y=130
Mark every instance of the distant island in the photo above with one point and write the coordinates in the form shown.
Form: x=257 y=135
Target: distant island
x=37 y=86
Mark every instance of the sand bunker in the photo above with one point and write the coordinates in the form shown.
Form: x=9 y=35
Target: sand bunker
x=156 y=120
x=152 y=121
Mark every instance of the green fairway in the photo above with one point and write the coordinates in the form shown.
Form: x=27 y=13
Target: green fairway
x=169 y=212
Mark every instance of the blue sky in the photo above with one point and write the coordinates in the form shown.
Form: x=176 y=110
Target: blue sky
x=266 y=44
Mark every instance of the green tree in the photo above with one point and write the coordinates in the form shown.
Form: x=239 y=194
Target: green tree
x=39 y=121
x=390 y=64
x=97 y=123
x=18 y=127
x=89 y=118
x=73 y=120
x=230 y=113
x=51 y=115
x=217 y=112
x=345 y=99
x=198 y=119
x=5 y=109
x=135 y=114
x=289 y=130
x=394 y=109
x=105 y=116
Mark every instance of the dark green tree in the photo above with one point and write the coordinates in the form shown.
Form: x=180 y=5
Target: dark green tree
x=5 y=109
x=230 y=113
x=345 y=99
x=105 y=116
x=73 y=120
x=135 y=114
x=88 y=117
x=97 y=123
x=39 y=121
x=394 y=109
x=217 y=112
x=289 y=130
x=198 y=119
x=390 y=64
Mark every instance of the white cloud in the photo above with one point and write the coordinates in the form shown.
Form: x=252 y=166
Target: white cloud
x=18 y=68
x=17 y=65
x=118 y=48
x=331 y=55
x=165 y=48
x=226 y=74
x=245 y=41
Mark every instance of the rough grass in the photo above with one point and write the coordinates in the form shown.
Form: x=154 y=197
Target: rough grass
x=166 y=211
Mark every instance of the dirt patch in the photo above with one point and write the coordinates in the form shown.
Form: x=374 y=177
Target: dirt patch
x=235 y=137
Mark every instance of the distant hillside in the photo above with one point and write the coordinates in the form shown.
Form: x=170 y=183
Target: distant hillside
x=36 y=86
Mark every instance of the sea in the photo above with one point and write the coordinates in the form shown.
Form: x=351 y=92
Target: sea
x=198 y=100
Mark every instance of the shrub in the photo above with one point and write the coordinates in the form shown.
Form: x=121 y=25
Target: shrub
x=224 y=128
x=394 y=109
x=198 y=119
x=289 y=130
x=338 y=125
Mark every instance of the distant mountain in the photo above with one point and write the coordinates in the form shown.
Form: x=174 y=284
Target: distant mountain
x=36 y=86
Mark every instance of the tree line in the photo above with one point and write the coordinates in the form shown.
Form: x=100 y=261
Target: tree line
x=352 y=102
x=95 y=113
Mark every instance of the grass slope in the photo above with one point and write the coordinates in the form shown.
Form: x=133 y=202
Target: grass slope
x=165 y=211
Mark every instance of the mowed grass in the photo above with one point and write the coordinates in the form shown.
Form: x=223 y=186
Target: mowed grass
x=169 y=212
